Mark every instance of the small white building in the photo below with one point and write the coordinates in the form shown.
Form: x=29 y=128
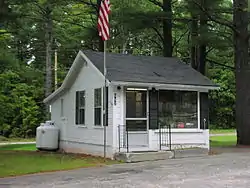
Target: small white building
x=154 y=103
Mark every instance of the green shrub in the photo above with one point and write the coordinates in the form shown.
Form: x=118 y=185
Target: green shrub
x=2 y=138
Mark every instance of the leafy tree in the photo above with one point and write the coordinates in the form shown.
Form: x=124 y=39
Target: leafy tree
x=197 y=31
x=23 y=114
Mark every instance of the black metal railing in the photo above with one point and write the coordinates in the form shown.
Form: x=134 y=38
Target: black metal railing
x=123 y=137
x=165 y=136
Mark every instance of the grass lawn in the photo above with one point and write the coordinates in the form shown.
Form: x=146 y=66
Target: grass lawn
x=222 y=131
x=223 y=141
x=13 y=161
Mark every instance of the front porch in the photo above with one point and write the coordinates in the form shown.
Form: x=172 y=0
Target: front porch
x=160 y=119
x=161 y=140
x=161 y=144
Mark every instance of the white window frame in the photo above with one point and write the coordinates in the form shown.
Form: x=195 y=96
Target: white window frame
x=100 y=106
x=81 y=107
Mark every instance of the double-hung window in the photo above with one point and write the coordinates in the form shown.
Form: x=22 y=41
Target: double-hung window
x=98 y=106
x=80 y=108
x=136 y=109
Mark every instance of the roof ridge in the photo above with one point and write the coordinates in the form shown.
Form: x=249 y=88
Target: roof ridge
x=131 y=55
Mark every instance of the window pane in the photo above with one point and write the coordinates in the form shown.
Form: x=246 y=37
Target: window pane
x=130 y=104
x=98 y=115
x=77 y=108
x=98 y=97
x=82 y=99
x=178 y=109
x=136 y=104
x=82 y=116
x=136 y=125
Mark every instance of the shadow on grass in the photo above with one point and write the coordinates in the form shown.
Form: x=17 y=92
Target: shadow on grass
x=21 y=147
x=226 y=144
x=222 y=144
x=223 y=141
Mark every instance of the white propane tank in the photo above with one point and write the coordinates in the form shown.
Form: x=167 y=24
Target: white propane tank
x=47 y=135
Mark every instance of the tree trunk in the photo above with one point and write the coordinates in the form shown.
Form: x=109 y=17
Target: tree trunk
x=20 y=54
x=194 y=37
x=203 y=39
x=167 y=29
x=48 y=43
x=3 y=11
x=242 y=71
x=124 y=47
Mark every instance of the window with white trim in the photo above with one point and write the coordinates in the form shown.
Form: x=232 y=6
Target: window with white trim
x=136 y=109
x=98 y=106
x=80 y=108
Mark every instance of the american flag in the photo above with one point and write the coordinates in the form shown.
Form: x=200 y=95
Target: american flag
x=103 y=20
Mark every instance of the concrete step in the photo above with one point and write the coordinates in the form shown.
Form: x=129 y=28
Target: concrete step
x=144 y=156
x=160 y=155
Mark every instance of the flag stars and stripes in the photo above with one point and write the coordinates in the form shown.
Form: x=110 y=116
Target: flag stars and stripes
x=103 y=20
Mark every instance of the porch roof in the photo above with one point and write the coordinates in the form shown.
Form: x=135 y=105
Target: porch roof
x=148 y=69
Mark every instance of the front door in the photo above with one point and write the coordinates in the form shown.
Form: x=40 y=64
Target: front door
x=137 y=117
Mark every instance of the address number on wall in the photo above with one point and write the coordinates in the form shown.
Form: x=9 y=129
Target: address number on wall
x=114 y=98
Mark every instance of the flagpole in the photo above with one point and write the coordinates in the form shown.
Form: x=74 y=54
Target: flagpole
x=105 y=98
x=103 y=29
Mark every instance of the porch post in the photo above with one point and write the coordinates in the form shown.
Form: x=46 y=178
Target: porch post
x=204 y=110
x=153 y=117
x=153 y=109
x=198 y=109
x=158 y=122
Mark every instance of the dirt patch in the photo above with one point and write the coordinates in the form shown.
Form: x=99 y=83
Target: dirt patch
x=243 y=146
x=233 y=149
x=212 y=152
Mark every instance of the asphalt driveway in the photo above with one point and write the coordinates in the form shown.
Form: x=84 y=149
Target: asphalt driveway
x=225 y=170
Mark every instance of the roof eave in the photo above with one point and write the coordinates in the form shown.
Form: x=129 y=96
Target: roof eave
x=169 y=86
x=51 y=97
x=67 y=81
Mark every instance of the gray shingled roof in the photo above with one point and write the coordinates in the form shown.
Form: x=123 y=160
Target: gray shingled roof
x=147 y=69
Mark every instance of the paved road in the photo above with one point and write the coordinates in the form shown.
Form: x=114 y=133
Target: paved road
x=225 y=170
